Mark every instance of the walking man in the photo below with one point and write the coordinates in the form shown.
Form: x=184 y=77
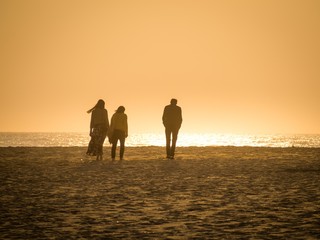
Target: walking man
x=172 y=119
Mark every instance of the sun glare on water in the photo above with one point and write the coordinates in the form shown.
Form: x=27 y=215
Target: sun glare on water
x=191 y=139
x=159 y=139
x=212 y=139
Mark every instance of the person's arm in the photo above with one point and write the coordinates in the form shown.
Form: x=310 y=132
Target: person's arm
x=126 y=126
x=164 y=116
x=180 y=116
x=107 y=120
x=111 y=126
x=91 y=125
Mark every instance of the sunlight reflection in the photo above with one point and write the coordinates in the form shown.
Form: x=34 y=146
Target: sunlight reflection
x=158 y=139
x=201 y=140
x=192 y=139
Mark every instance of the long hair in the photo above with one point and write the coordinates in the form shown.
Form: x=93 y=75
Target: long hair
x=120 y=109
x=99 y=104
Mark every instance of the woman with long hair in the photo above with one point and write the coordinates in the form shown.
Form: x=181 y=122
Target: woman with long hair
x=99 y=126
x=118 y=131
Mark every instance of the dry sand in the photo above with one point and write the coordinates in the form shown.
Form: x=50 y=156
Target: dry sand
x=205 y=193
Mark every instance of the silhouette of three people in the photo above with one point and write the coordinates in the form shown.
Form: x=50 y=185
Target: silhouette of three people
x=118 y=129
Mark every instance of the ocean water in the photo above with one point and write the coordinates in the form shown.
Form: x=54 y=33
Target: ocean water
x=152 y=139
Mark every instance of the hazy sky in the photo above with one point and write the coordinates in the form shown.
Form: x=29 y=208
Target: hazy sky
x=241 y=66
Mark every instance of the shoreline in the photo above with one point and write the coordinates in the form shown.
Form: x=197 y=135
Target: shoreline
x=155 y=139
x=178 y=147
x=158 y=153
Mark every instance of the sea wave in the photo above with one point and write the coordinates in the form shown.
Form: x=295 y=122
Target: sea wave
x=157 y=139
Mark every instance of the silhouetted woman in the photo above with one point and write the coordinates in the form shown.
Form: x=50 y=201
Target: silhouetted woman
x=118 y=131
x=99 y=126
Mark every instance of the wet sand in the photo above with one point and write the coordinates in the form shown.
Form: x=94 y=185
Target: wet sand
x=205 y=193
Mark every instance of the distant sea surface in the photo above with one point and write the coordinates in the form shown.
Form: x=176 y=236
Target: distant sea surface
x=30 y=139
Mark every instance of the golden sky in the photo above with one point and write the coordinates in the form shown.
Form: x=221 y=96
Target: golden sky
x=242 y=66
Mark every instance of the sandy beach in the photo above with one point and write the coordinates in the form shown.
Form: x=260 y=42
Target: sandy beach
x=205 y=193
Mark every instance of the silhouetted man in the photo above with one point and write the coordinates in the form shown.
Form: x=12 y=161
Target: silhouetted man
x=172 y=119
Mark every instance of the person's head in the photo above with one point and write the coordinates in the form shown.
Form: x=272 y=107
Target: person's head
x=120 y=109
x=174 y=101
x=100 y=104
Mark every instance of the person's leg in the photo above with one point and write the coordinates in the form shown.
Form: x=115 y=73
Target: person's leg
x=99 y=151
x=92 y=148
x=114 y=145
x=122 y=141
x=168 y=140
x=104 y=136
x=113 y=149
x=174 y=141
x=101 y=137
